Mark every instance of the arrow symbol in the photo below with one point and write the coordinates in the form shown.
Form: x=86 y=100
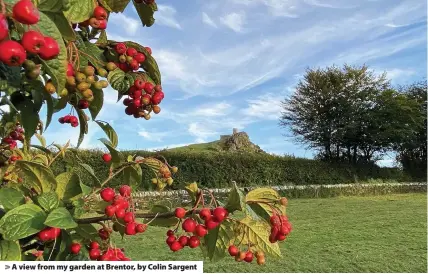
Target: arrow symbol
x=7 y=267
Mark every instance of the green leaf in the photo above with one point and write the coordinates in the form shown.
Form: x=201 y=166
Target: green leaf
x=192 y=190
x=11 y=74
x=116 y=156
x=236 y=200
x=22 y=221
x=68 y=185
x=83 y=125
x=56 y=68
x=60 y=104
x=60 y=218
x=85 y=189
x=42 y=159
x=48 y=201
x=52 y=5
x=62 y=247
x=10 y=251
x=45 y=150
x=110 y=132
x=11 y=198
x=145 y=12
x=63 y=25
x=97 y=55
x=102 y=39
x=87 y=231
x=162 y=221
x=80 y=10
x=114 y=5
x=257 y=233
x=38 y=175
x=119 y=80
x=133 y=176
x=41 y=139
x=264 y=195
x=218 y=240
x=29 y=118
x=89 y=170
x=97 y=103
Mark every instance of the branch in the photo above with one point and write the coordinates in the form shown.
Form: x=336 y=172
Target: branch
x=163 y=215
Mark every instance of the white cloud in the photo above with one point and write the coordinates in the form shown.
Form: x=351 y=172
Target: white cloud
x=166 y=16
x=153 y=136
x=396 y=73
x=234 y=21
x=213 y=110
x=120 y=19
x=208 y=21
x=266 y=106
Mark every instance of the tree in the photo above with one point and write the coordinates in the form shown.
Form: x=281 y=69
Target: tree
x=57 y=54
x=412 y=153
x=348 y=114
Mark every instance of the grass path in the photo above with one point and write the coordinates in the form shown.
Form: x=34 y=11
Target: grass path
x=349 y=234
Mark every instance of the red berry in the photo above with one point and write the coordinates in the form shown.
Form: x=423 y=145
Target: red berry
x=201 y=231
x=120 y=48
x=50 y=50
x=94 y=22
x=12 y=53
x=134 y=65
x=131 y=52
x=107 y=194
x=280 y=237
x=170 y=239
x=156 y=99
x=4 y=27
x=169 y=233
x=149 y=50
x=175 y=246
x=127 y=101
x=100 y=13
x=129 y=217
x=73 y=119
x=139 y=83
x=32 y=41
x=220 y=214
x=249 y=257
x=45 y=235
x=272 y=238
x=130 y=229
x=205 y=214
x=120 y=213
x=183 y=240
x=102 y=24
x=148 y=88
x=274 y=220
x=140 y=228
x=94 y=245
x=75 y=248
x=189 y=225
x=125 y=191
x=70 y=70
x=83 y=104
x=25 y=12
x=110 y=210
x=140 y=58
x=107 y=157
x=94 y=254
x=233 y=250
x=194 y=242
x=145 y=99
x=74 y=124
x=136 y=94
x=55 y=232
x=211 y=224
x=180 y=212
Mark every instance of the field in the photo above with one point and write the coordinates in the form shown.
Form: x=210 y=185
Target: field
x=347 y=234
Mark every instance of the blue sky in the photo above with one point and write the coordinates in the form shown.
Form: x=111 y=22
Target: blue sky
x=229 y=63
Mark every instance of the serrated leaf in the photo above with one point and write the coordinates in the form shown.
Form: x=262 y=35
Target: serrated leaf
x=60 y=218
x=10 y=251
x=133 y=176
x=116 y=156
x=56 y=68
x=51 y=5
x=68 y=185
x=236 y=200
x=38 y=175
x=114 y=5
x=85 y=189
x=145 y=12
x=42 y=159
x=218 y=240
x=80 y=10
x=87 y=231
x=89 y=170
x=102 y=39
x=45 y=150
x=60 y=104
x=118 y=80
x=62 y=24
x=96 y=54
x=257 y=233
x=110 y=132
x=29 y=118
x=83 y=125
x=48 y=201
x=162 y=222
x=22 y=221
x=11 y=198
x=192 y=189
x=264 y=195
x=97 y=103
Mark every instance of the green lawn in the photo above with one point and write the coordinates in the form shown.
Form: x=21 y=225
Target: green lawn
x=349 y=234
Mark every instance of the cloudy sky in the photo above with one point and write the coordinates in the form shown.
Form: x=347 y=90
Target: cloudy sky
x=229 y=63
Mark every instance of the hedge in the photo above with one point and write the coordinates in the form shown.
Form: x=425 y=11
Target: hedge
x=218 y=169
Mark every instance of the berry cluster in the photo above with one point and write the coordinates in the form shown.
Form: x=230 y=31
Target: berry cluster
x=246 y=256
x=165 y=175
x=80 y=82
x=120 y=209
x=280 y=228
x=14 y=53
x=98 y=19
x=13 y=137
x=49 y=234
x=129 y=58
x=191 y=226
x=69 y=119
x=111 y=254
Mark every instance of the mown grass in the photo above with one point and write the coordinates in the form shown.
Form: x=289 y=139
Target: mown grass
x=344 y=234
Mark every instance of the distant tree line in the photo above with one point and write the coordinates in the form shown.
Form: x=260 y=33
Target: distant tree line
x=354 y=115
